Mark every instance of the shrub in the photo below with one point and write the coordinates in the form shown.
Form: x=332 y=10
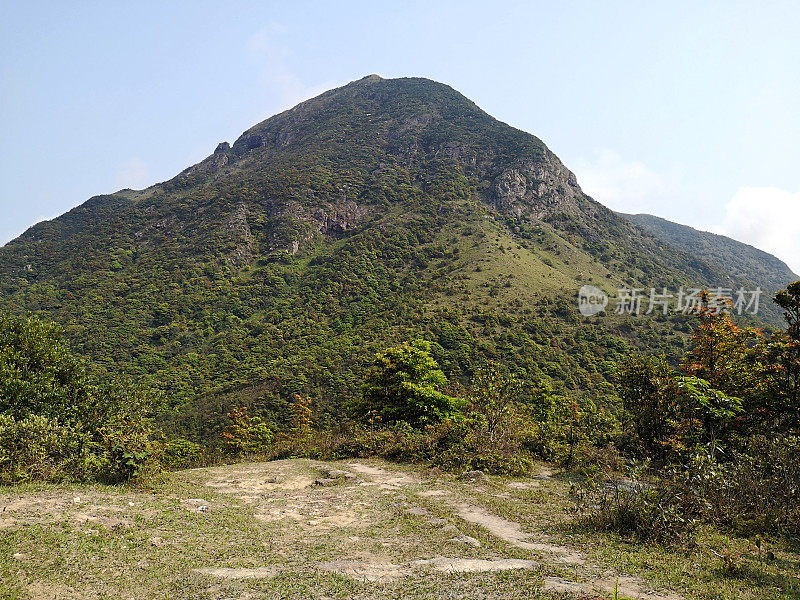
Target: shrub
x=246 y=434
x=450 y=444
x=55 y=424
x=403 y=385
x=577 y=434
x=301 y=416
x=39 y=375
x=758 y=488
x=490 y=435
x=651 y=405
x=39 y=448
x=664 y=508
x=180 y=454
x=125 y=448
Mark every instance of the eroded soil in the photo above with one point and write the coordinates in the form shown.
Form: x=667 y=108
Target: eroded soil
x=302 y=529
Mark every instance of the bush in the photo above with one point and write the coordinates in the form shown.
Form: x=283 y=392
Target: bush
x=664 y=508
x=39 y=375
x=54 y=424
x=651 y=404
x=490 y=436
x=38 y=448
x=758 y=487
x=577 y=434
x=246 y=434
x=124 y=449
x=348 y=441
x=450 y=444
x=180 y=454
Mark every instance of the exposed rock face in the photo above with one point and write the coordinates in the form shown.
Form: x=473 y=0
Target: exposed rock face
x=292 y=224
x=238 y=229
x=336 y=219
x=527 y=182
x=536 y=189
x=221 y=153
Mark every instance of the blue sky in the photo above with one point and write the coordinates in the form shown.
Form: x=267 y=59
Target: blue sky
x=685 y=110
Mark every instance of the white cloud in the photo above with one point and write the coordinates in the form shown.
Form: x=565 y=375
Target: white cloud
x=133 y=174
x=273 y=57
x=626 y=186
x=767 y=218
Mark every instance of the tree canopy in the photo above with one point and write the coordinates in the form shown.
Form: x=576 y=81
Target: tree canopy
x=403 y=385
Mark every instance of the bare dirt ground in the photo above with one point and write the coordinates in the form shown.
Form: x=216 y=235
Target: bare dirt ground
x=357 y=529
x=301 y=529
x=278 y=492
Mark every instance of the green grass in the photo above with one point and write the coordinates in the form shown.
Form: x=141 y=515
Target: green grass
x=152 y=548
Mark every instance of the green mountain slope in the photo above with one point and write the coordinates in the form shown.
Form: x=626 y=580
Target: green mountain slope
x=750 y=263
x=379 y=211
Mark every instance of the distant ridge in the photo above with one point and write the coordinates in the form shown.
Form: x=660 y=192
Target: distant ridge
x=746 y=261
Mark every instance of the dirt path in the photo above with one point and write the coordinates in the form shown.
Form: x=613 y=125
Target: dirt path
x=296 y=528
x=249 y=483
x=512 y=533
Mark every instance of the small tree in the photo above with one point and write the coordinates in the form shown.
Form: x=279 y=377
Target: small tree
x=789 y=301
x=301 y=416
x=494 y=393
x=403 y=385
x=782 y=353
x=246 y=434
x=649 y=397
x=721 y=354
x=710 y=409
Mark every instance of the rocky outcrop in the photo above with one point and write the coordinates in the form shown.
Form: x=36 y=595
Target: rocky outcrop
x=291 y=224
x=338 y=219
x=237 y=229
x=537 y=189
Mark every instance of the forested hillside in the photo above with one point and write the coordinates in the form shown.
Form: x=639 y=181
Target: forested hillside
x=748 y=262
x=382 y=211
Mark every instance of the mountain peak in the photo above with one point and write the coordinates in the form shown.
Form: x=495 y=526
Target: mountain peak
x=410 y=123
x=413 y=109
x=371 y=78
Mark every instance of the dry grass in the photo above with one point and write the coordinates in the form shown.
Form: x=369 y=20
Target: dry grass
x=371 y=530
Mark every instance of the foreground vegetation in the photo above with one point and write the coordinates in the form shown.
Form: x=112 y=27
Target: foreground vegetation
x=681 y=457
x=264 y=530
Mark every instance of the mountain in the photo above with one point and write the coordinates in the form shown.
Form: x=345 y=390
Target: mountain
x=380 y=211
x=750 y=263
